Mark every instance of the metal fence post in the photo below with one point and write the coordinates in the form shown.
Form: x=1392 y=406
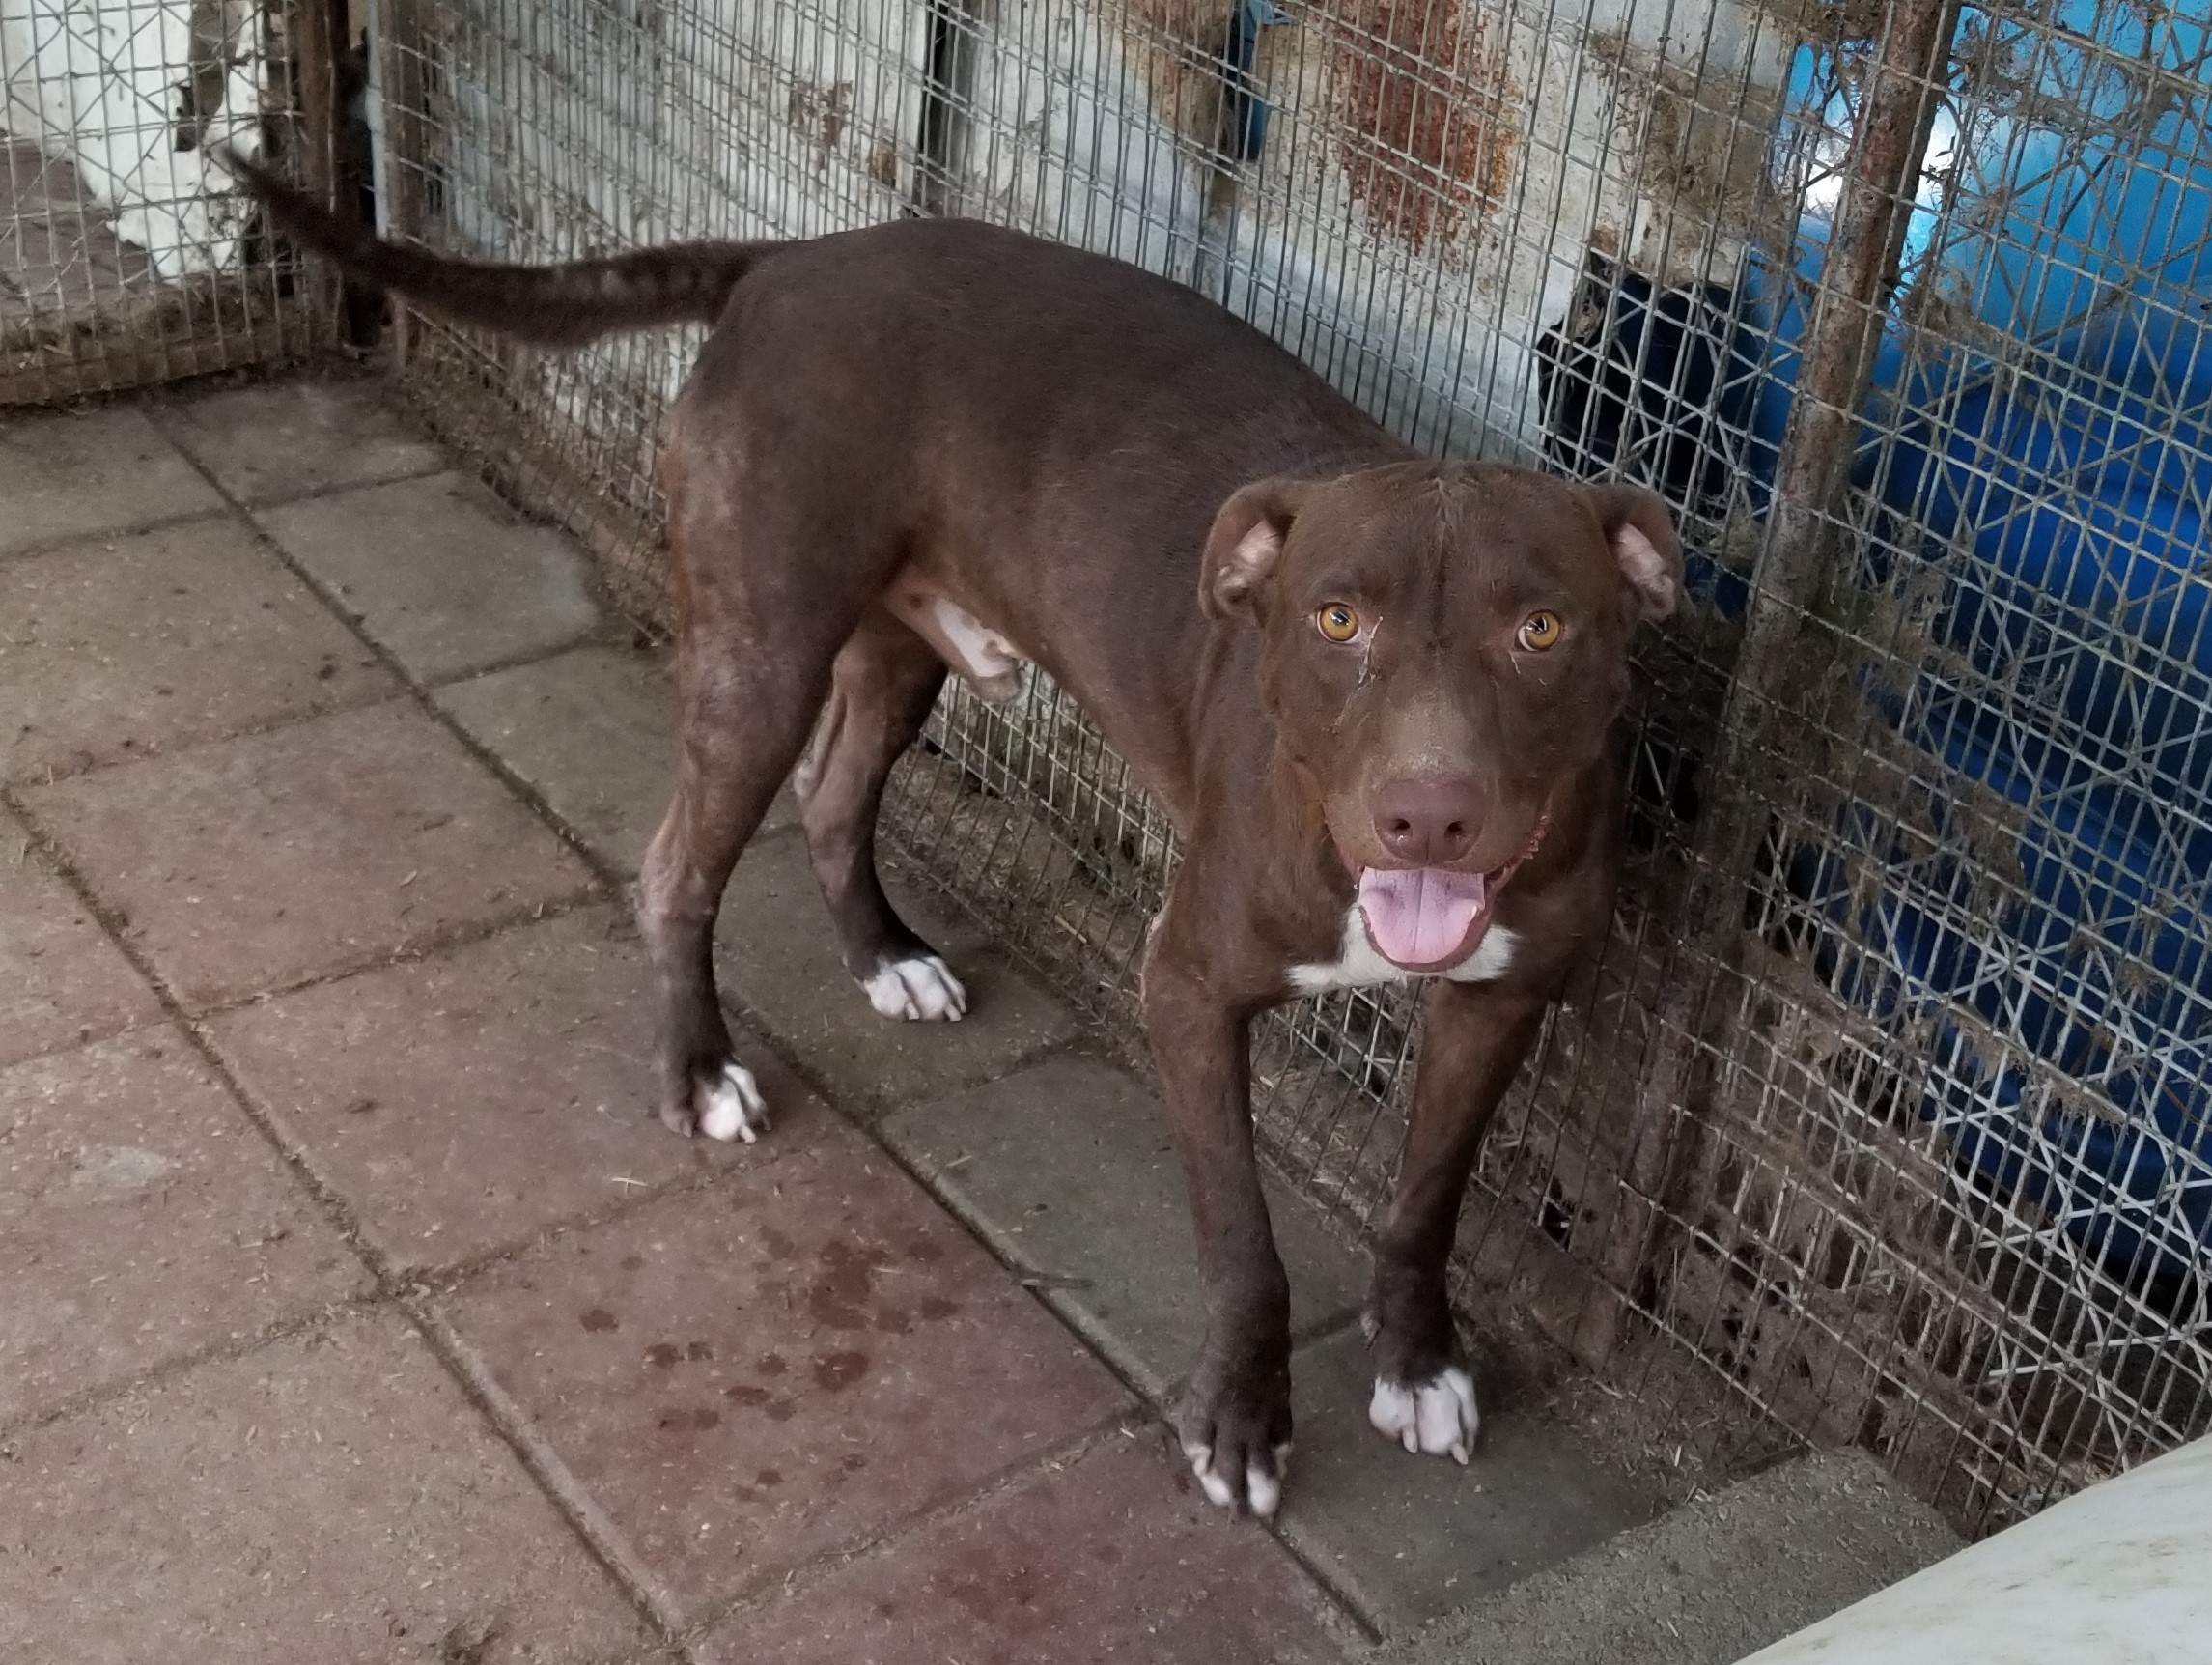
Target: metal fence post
x=1882 y=173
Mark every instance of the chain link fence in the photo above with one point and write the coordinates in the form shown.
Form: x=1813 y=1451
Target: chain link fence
x=126 y=256
x=1887 y=1102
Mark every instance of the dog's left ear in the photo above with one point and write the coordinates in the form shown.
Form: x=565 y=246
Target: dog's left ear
x=1246 y=542
x=1642 y=531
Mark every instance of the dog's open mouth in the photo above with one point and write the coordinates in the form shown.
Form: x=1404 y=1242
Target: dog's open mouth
x=1430 y=918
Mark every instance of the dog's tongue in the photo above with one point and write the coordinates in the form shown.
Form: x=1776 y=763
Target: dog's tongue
x=1419 y=915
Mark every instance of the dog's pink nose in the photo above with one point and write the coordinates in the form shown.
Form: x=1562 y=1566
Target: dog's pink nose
x=1429 y=823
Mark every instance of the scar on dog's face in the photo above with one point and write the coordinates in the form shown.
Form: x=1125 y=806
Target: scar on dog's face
x=1445 y=643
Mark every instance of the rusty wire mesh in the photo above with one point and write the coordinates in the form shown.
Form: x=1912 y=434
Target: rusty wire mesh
x=1888 y=1100
x=126 y=256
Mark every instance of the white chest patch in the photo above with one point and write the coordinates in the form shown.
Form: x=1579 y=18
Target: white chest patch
x=1357 y=966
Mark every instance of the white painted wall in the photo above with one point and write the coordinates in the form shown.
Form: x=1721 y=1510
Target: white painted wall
x=1069 y=139
x=586 y=127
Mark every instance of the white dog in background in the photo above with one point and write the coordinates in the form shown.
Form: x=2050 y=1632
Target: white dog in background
x=133 y=94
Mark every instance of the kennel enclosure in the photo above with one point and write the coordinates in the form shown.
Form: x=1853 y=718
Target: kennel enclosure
x=1886 y=1109
x=1887 y=1103
x=127 y=257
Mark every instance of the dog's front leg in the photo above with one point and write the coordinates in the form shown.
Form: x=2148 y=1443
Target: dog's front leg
x=1473 y=1039
x=1234 y=1418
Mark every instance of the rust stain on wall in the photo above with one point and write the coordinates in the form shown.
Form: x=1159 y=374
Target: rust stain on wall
x=822 y=113
x=1424 y=113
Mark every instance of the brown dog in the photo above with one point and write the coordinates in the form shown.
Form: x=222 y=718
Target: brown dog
x=1378 y=695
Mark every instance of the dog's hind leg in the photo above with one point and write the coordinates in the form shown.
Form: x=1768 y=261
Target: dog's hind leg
x=886 y=679
x=742 y=719
x=739 y=735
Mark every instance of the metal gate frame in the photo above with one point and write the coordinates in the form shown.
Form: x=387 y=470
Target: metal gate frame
x=82 y=330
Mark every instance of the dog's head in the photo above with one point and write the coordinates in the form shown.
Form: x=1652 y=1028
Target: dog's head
x=1444 y=646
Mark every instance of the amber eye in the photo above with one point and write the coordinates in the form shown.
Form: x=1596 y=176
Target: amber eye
x=1338 y=622
x=1540 y=631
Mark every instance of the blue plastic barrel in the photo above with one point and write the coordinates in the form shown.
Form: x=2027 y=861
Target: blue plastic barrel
x=2069 y=1013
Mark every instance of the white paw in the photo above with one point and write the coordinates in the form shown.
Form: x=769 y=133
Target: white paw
x=1263 y=1490
x=732 y=1108
x=1438 y=1417
x=922 y=988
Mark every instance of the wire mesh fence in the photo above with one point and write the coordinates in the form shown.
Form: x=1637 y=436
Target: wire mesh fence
x=126 y=256
x=1888 y=1100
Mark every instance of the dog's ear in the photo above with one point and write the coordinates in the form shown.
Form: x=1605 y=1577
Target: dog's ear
x=1642 y=531
x=1246 y=542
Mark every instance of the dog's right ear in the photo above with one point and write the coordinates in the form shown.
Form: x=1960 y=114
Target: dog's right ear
x=1245 y=545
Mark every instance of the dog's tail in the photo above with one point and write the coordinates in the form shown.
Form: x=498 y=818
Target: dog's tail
x=550 y=306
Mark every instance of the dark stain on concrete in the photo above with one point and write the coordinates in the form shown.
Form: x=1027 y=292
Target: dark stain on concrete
x=689 y=1420
x=834 y=1373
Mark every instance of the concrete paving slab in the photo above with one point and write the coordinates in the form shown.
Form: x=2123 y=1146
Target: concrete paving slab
x=329 y=1497
x=1067 y=1168
x=1111 y=1558
x=464 y=1102
x=442 y=573
x=254 y=864
x=69 y=983
x=141 y=1217
x=593 y=733
x=77 y=473
x=163 y=640
x=1409 y=1537
x=745 y=1376
x=1710 y=1583
x=277 y=441
x=779 y=956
